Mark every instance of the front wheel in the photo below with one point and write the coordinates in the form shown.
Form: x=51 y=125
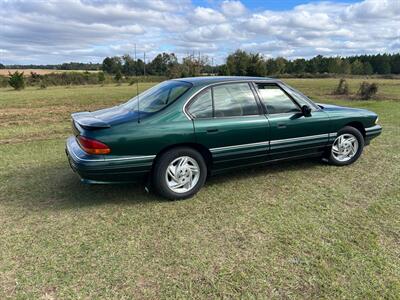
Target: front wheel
x=179 y=173
x=347 y=146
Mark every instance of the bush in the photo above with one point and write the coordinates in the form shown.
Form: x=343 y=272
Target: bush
x=342 y=88
x=101 y=77
x=367 y=90
x=3 y=81
x=43 y=85
x=17 y=80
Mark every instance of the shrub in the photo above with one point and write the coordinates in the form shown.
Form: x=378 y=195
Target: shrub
x=342 y=88
x=3 y=81
x=367 y=90
x=101 y=77
x=43 y=85
x=17 y=80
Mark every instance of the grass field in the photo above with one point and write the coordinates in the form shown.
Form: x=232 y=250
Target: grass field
x=295 y=230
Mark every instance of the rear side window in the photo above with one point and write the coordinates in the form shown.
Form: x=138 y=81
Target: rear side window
x=227 y=100
x=202 y=106
x=276 y=100
x=231 y=100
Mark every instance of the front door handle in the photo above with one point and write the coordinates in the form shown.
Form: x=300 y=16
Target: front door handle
x=282 y=125
x=212 y=130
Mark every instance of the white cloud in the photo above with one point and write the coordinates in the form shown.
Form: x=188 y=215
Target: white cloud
x=233 y=8
x=55 y=31
x=203 y=15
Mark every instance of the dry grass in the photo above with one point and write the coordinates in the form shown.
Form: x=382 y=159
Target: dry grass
x=27 y=72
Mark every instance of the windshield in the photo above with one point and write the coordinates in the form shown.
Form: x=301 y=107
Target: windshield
x=158 y=96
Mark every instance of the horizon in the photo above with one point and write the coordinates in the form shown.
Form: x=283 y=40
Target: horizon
x=87 y=31
x=180 y=61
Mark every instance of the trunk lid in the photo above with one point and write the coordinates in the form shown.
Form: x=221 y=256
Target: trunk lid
x=103 y=118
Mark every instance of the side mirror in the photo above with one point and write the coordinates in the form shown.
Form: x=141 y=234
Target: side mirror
x=306 y=110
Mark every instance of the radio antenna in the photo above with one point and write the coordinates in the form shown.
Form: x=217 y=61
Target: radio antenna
x=137 y=88
x=144 y=64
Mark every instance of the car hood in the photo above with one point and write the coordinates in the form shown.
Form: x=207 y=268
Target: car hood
x=336 y=108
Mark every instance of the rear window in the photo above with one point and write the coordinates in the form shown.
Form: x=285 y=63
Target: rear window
x=158 y=96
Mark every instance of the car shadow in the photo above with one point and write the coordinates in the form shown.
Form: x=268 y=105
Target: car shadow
x=262 y=170
x=56 y=187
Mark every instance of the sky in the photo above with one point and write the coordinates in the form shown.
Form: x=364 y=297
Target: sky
x=57 y=31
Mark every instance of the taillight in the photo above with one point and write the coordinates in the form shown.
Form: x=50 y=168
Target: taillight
x=92 y=146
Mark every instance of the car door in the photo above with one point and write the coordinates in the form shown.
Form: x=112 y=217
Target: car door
x=292 y=134
x=228 y=120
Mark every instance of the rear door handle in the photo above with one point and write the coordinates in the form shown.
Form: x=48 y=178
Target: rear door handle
x=212 y=130
x=281 y=125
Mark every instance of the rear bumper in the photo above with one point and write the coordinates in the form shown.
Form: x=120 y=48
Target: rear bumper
x=106 y=168
x=372 y=132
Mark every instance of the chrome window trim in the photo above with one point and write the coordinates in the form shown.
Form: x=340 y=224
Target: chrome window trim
x=214 y=84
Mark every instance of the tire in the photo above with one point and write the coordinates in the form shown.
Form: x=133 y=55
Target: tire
x=174 y=179
x=337 y=156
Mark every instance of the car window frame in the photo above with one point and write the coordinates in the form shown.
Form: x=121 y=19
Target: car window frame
x=283 y=90
x=211 y=87
x=290 y=89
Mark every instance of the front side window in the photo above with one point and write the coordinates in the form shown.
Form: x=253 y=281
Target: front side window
x=275 y=100
x=235 y=99
x=301 y=99
x=159 y=96
x=202 y=106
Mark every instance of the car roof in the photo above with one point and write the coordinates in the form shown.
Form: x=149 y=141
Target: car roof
x=205 y=80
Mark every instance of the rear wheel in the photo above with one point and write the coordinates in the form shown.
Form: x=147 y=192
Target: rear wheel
x=347 y=146
x=179 y=173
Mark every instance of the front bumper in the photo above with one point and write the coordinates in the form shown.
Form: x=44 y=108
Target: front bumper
x=106 y=168
x=372 y=132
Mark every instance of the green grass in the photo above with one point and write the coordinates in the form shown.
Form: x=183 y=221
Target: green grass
x=296 y=230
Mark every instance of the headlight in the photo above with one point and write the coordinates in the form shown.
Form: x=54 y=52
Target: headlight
x=376 y=121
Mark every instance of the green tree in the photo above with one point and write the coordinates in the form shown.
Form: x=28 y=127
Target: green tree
x=237 y=63
x=256 y=65
x=357 y=67
x=2 y=66
x=382 y=64
x=128 y=65
x=334 y=65
x=16 y=80
x=299 y=66
x=112 y=65
x=345 y=67
x=162 y=64
x=395 y=64
x=368 y=70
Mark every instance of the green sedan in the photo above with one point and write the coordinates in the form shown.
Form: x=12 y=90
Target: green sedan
x=183 y=130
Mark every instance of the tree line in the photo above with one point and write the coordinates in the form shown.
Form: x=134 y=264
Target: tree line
x=239 y=63
x=242 y=63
